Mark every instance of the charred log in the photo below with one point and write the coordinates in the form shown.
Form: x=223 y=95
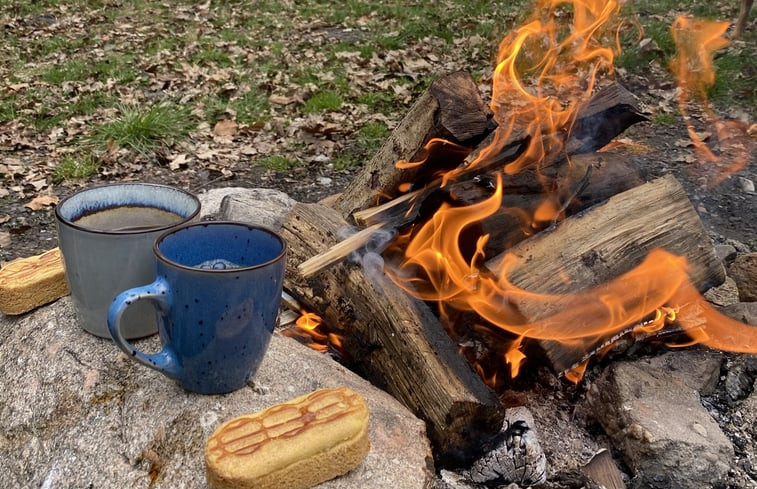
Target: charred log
x=451 y=109
x=610 y=111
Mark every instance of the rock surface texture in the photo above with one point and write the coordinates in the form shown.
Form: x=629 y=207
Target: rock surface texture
x=75 y=412
x=652 y=411
x=744 y=272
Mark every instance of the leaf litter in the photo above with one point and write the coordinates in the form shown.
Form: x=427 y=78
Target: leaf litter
x=244 y=75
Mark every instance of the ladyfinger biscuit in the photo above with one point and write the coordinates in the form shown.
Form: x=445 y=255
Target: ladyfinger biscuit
x=31 y=282
x=295 y=445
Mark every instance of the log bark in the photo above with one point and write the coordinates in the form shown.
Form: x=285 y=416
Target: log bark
x=395 y=340
x=600 y=244
x=607 y=114
x=451 y=109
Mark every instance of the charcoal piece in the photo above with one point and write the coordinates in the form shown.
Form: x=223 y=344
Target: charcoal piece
x=741 y=377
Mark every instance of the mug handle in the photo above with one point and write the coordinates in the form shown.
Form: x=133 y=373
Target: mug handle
x=157 y=292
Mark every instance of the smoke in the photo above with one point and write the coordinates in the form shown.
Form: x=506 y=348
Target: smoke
x=369 y=255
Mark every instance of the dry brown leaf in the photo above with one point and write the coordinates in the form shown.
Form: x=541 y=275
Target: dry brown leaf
x=42 y=201
x=683 y=143
x=688 y=158
x=282 y=100
x=225 y=128
x=178 y=161
x=5 y=239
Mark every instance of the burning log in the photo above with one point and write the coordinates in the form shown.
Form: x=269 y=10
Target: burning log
x=395 y=340
x=451 y=109
x=515 y=456
x=594 y=247
x=607 y=114
x=586 y=180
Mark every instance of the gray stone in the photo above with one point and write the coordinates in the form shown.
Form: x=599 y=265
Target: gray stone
x=745 y=184
x=723 y=295
x=263 y=207
x=746 y=312
x=260 y=206
x=744 y=273
x=655 y=418
x=725 y=253
x=698 y=369
x=76 y=412
x=741 y=376
x=212 y=199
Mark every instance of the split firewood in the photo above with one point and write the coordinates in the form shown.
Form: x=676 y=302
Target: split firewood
x=584 y=181
x=607 y=114
x=337 y=252
x=610 y=111
x=598 y=245
x=394 y=340
x=602 y=470
x=451 y=109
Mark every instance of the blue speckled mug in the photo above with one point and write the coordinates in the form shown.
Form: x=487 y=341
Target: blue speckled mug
x=217 y=295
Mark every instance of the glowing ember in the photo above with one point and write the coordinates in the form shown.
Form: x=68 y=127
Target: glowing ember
x=310 y=331
x=545 y=71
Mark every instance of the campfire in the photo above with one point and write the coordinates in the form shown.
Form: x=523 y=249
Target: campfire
x=489 y=236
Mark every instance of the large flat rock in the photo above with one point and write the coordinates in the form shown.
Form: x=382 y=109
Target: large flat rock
x=75 y=412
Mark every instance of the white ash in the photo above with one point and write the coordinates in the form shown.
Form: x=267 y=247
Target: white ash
x=516 y=459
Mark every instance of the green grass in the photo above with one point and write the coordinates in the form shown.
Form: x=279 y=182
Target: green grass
x=735 y=72
x=663 y=119
x=147 y=52
x=323 y=102
x=8 y=110
x=278 y=163
x=252 y=107
x=117 y=67
x=735 y=77
x=76 y=167
x=369 y=139
x=143 y=129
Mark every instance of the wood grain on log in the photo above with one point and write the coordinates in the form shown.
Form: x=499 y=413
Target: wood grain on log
x=585 y=180
x=395 y=340
x=598 y=245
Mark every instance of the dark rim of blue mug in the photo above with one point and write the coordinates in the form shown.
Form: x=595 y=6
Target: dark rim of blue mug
x=72 y=224
x=160 y=256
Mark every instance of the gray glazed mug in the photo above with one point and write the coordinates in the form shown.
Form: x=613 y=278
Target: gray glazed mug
x=106 y=234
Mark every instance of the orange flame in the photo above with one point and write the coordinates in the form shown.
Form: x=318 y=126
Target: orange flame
x=696 y=42
x=433 y=267
x=565 y=61
x=515 y=358
x=310 y=331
